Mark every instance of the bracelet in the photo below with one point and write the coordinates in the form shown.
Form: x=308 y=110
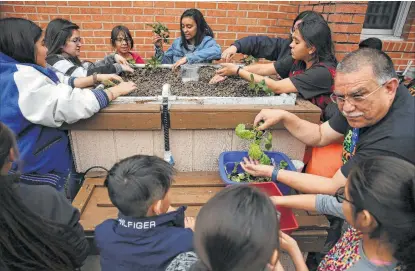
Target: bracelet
x=274 y=175
x=94 y=77
x=237 y=71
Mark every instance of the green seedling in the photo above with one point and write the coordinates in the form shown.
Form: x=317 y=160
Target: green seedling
x=249 y=60
x=160 y=30
x=261 y=86
x=153 y=64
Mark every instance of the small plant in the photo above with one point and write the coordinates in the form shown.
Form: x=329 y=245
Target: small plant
x=161 y=30
x=257 y=139
x=261 y=86
x=131 y=61
x=249 y=60
x=153 y=64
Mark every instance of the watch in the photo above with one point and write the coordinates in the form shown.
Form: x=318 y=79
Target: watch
x=274 y=176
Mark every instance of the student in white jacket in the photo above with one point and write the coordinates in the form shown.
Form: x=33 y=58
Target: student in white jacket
x=35 y=102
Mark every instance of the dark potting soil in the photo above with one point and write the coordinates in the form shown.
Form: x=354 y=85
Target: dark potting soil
x=150 y=83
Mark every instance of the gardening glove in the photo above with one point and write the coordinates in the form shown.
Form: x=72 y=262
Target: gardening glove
x=227 y=69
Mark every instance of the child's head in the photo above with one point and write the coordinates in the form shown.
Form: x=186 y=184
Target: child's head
x=8 y=149
x=237 y=230
x=379 y=200
x=193 y=26
x=306 y=15
x=121 y=39
x=23 y=41
x=139 y=185
x=63 y=36
x=312 y=41
x=373 y=43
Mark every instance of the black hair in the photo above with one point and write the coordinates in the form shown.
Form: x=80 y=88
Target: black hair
x=27 y=241
x=373 y=43
x=136 y=182
x=237 y=229
x=308 y=15
x=317 y=33
x=203 y=29
x=58 y=32
x=382 y=65
x=18 y=38
x=385 y=187
x=120 y=28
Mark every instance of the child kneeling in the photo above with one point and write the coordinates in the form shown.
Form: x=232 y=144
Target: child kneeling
x=148 y=233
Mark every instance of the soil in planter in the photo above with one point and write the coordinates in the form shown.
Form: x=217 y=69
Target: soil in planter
x=150 y=83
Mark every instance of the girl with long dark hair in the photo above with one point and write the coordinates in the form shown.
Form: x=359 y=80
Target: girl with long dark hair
x=64 y=43
x=122 y=42
x=35 y=101
x=196 y=43
x=378 y=202
x=40 y=230
x=314 y=68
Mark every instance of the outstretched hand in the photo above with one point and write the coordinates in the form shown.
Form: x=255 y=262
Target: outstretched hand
x=269 y=116
x=255 y=169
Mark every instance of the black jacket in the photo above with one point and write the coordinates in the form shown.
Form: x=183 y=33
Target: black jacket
x=47 y=202
x=274 y=49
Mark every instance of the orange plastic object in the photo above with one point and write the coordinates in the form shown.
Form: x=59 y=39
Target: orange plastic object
x=325 y=161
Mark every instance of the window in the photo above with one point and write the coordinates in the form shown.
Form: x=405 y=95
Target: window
x=385 y=19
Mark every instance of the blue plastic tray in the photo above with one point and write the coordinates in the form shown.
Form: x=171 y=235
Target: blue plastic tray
x=227 y=160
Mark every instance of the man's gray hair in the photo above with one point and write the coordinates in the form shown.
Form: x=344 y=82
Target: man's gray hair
x=380 y=62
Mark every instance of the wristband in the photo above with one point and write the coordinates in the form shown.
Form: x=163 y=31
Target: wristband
x=237 y=71
x=94 y=77
x=274 y=176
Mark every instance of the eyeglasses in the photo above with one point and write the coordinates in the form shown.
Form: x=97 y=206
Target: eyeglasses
x=340 y=195
x=76 y=40
x=353 y=99
x=120 y=40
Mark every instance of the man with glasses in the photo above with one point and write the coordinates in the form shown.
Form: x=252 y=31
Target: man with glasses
x=376 y=117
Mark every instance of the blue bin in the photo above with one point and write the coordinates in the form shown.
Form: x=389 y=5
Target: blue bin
x=227 y=160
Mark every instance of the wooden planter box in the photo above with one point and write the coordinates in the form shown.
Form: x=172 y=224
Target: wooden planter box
x=198 y=134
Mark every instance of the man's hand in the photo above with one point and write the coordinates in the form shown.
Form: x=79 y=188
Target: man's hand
x=179 y=62
x=216 y=79
x=229 y=53
x=270 y=117
x=227 y=69
x=255 y=169
x=104 y=77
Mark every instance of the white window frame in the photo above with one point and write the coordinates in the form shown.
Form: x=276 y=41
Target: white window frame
x=390 y=34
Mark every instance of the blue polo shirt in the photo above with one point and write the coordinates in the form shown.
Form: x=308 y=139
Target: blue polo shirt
x=148 y=243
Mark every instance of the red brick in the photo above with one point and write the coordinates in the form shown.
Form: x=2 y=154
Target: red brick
x=25 y=9
x=275 y=15
x=291 y=16
x=47 y=10
x=143 y=33
x=68 y=10
x=408 y=56
x=185 y=5
x=227 y=6
x=6 y=8
x=358 y=19
x=89 y=10
x=257 y=29
x=329 y=8
x=354 y=38
x=342 y=28
x=103 y=47
x=56 y=3
x=395 y=55
x=402 y=47
x=252 y=14
x=81 y=18
x=132 y=11
x=36 y=3
x=60 y=16
x=144 y=19
x=277 y=29
x=347 y=8
x=121 y=3
x=206 y=5
x=95 y=55
x=318 y=8
x=153 y=11
x=282 y=22
x=233 y=13
x=14 y=2
x=123 y=18
x=167 y=19
x=222 y=35
x=292 y=9
x=18 y=15
x=237 y=28
x=243 y=21
x=216 y=13
x=267 y=22
x=270 y=7
x=226 y=20
x=341 y=18
x=89 y=40
x=339 y=47
x=163 y=4
x=142 y=3
x=38 y=17
x=173 y=11
x=248 y=7
x=218 y=27
x=88 y=47
x=340 y=37
x=209 y=20
x=102 y=18
x=91 y=25
x=100 y=3
x=77 y=3
x=228 y=43
x=408 y=47
x=102 y=33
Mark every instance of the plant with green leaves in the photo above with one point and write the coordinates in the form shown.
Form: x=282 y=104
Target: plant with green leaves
x=160 y=30
x=261 y=86
x=153 y=64
x=249 y=60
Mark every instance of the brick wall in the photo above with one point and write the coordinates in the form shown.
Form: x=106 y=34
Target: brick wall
x=229 y=21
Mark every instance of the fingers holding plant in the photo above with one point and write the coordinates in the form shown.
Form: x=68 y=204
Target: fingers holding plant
x=178 y=63
x=269 y=117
